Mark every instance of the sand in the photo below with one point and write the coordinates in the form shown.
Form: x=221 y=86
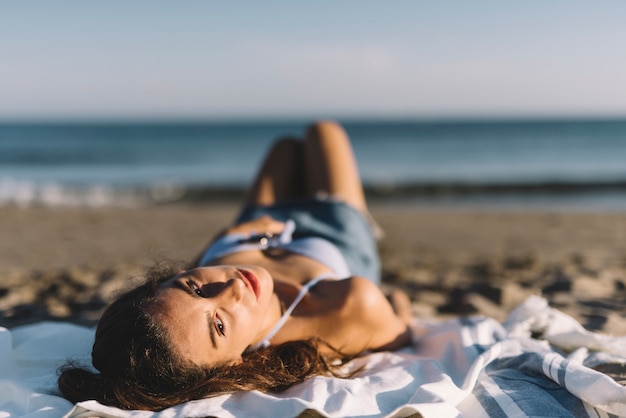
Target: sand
x=68 y=263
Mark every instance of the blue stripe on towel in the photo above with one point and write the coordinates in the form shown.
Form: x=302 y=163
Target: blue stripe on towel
x=557 y=366
x=522 y=379
x=488 y=402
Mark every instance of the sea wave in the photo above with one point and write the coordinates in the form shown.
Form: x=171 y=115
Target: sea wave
x=28 y=193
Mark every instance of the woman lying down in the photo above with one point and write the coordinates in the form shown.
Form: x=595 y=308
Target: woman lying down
x=289 y=292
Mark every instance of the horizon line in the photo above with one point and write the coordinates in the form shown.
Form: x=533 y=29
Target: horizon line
x=267 y=120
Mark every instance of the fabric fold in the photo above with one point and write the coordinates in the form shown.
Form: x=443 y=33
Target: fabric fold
x=463 y=367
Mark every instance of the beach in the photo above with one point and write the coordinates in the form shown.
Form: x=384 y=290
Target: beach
x=67 y=263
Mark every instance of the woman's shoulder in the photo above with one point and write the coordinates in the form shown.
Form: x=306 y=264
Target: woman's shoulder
x=364 y=319
x=353 y=283
x=358 y=295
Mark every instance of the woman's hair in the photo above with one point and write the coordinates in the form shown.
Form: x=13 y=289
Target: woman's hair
x=139 y=370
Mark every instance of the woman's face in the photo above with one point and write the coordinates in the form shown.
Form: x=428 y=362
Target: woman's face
x=212 y=314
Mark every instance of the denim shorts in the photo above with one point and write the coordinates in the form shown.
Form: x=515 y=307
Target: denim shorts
x=337 y=222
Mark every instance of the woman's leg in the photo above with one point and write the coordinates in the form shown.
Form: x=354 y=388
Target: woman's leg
x=280 y=176
x=330 y=165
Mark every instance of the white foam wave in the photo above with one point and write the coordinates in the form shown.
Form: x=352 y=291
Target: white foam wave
x=26 y=193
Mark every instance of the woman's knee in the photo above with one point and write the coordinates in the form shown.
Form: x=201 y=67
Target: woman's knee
x=286 y=148
x=325 y=129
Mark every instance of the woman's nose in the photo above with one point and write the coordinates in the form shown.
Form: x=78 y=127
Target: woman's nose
x=233 y=290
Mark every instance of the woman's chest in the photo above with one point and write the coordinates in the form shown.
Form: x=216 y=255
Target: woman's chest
x=281 y=264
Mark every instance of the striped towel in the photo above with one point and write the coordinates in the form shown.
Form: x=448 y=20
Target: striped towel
x=472 y=367
x=505 y=372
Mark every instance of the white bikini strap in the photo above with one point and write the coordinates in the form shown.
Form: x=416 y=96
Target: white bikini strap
x=303 y=291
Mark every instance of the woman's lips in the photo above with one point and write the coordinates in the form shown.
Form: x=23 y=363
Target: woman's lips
x=251 y=281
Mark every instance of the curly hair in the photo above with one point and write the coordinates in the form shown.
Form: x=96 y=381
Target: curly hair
x=138 y=367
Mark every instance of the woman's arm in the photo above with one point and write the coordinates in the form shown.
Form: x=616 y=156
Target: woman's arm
x=392 y=323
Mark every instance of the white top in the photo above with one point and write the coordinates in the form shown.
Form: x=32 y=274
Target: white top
x=315 y=248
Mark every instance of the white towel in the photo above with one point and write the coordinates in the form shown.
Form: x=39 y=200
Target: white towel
x=464 y=367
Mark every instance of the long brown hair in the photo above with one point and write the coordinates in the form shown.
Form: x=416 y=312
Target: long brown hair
x=137 y=367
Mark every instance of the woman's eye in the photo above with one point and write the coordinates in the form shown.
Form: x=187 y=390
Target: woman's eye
x=220 y=325
x=195 y=288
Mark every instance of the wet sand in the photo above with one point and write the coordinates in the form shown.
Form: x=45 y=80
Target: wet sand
x=67 y=263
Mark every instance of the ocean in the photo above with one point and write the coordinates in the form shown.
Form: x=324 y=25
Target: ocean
x=526 y=164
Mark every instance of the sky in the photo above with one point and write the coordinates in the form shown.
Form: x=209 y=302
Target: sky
x=155 y=60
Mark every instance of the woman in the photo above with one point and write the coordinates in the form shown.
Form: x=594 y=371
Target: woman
x=282 y=295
